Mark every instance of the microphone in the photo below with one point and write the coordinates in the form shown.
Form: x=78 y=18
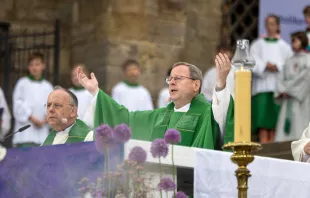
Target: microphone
x=64 y=120
x=19 y=130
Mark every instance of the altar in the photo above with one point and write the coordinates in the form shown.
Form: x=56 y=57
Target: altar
x=271 y=178
x=56 y=171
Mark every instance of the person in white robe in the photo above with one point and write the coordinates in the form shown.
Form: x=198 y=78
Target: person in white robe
x=293 y=92
x=164 y=96
x=301 y=147
x=270 y=54
x=62 y=116
x=129 y=92
x=306 y=13
x=29 y=97
x=83 y=95
x=209 y=79
x=5 y=116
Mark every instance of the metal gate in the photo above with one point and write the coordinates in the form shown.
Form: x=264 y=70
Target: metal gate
x=15 y=49
x=239 y=20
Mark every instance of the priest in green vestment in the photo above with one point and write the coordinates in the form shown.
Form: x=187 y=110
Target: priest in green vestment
x=200 y=123
x=62 y=108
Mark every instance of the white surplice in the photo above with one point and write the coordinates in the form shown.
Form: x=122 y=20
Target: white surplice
x=6 y=116
x=163 y=98
x=294 y=80
x=134 y=98
x=29 y=98
x=298 y=146
x=275 y=52
x=84 y=100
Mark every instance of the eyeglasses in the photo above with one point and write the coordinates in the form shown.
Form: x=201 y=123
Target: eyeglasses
x=177 y=78
x=57 y=106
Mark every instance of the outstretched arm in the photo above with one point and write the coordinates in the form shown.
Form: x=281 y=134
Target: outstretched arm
x=91 y=84
x=221 y=96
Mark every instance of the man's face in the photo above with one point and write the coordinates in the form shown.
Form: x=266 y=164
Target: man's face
x=132 y=73
x=58 y=107
x=36 y=67
x=74 y=78
x=184 y=87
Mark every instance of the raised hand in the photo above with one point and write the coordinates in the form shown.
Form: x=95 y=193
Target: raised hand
x=91 y=84
x=223 y=66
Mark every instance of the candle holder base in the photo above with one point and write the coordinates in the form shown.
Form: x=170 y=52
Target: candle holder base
x=242 y=156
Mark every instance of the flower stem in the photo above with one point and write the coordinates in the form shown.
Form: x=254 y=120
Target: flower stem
x=160 y=176
x=173 y=169
x=108 y=167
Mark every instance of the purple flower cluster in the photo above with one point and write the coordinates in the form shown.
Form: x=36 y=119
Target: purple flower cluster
x=104 y=137
x=122 y=133
x=166 y=184
x=180 y=194
x=137 y=154
x=107 y=137
x=172 y=136
x=159 y=148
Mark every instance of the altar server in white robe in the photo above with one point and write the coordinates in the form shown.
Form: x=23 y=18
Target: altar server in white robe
x=82 y=94
x=164 y=95
x=129 y=92
x=270 y=54
x=306 y=12
x=5 y=116
x=293 y=91
x=29 y=98
x=209 y=79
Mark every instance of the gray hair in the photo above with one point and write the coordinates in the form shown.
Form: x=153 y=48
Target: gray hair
x=73 y=99
x=194 y=72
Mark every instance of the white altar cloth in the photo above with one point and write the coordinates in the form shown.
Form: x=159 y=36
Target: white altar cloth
x=214 y=175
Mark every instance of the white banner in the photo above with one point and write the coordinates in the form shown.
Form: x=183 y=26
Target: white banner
x=290 y=13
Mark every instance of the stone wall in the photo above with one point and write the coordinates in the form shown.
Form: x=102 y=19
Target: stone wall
x=155 y=32
x=104 y=33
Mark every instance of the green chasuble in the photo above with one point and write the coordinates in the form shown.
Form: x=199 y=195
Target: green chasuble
x=77 y=133
x=197 y=126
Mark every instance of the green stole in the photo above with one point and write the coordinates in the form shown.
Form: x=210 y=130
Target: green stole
x=197 y=126
x=271 y=40
x=77 y=133
x=31 y=77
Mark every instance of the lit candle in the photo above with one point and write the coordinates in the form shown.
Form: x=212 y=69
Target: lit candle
x=242 y=105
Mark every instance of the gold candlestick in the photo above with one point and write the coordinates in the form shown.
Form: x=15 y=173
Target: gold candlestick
x=242 y=156
x=242 y=146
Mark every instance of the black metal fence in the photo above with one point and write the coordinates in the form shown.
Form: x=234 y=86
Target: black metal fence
x=239 y=20
x=15 y=49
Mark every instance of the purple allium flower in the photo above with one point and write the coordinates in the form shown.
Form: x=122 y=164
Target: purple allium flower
x=172 y=136
x=166 y=184
x=137 y=154
x=104 y=137
x=122 y=133
x=180 y=194
x=159 y=148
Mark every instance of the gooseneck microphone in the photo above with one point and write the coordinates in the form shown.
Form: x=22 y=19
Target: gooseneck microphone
x=18 y=131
